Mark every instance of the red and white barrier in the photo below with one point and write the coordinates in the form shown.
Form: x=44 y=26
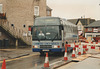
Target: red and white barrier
x=84 y=46
x=79 y=53
x=92 y=47
x=84 y=51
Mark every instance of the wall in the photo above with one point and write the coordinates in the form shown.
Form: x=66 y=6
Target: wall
x=86 y=30
x=3 y=36
x=21 y=12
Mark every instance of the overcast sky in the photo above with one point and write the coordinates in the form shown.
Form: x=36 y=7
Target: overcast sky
x=70 y=9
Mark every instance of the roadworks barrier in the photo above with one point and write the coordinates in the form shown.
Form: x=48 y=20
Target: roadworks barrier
x=78 y=53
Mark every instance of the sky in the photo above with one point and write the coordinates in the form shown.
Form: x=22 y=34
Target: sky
x=71 y=9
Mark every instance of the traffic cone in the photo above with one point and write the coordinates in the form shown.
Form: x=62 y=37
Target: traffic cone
x=74 y=43
x=92 y=47
x=96 y=42
x=84 y=51
x=84 y=46
x=73 y=53
x=65 y=55
x=79 y=53
x=76 y=46
x=3 y=64
x=46 y=64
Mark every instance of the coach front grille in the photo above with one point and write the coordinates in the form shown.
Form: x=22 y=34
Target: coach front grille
x=45 y=46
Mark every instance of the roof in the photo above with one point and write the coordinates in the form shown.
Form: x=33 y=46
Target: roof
x=48 y=8
x=94 y=24
x=66 y=22
x=74 y=21
x=84 y=21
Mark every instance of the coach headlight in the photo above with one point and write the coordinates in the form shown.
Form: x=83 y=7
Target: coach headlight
x=36 y=46
x=56 y=46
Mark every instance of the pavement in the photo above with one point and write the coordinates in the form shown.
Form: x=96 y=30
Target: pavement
x=15 y=53
x=89 y=63
x=91 y=60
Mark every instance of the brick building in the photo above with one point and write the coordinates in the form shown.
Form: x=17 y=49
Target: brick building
x=49 y=11
x=19 y=16
x=81 y=22
x=92 y=30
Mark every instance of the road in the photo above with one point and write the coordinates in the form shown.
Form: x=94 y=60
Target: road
x=32 y=62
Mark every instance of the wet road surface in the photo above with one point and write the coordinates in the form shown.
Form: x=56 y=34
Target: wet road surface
x=32 y=62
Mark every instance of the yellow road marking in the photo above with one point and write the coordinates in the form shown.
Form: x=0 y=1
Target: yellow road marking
x=18 y=58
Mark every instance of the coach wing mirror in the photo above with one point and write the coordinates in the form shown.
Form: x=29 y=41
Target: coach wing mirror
x=61 y=27
x=31 y=30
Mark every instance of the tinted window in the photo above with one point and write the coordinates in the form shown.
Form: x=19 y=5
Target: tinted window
x=47 y=21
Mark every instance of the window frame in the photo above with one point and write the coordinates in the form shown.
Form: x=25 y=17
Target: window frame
x=98 y=28
x=36 y=11
x=1 y=10
x=48 y=13
x=89 y=29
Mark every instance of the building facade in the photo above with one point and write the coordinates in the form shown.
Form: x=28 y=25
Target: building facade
x=48 y=11
x=81 y=22
x=92 y=30
x=20 y=15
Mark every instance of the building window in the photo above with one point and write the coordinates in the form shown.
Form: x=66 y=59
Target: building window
x=1 y=8
x=24 y=25
x=36 y=10
x=95 y=30
x=0 y=33
x=98 y=29
x=89 y=29
x=12 y=25
x=97 y=35
x=79 y=27
x=48 y=13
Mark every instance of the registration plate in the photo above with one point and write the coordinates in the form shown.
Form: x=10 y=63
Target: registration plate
x=45 y=50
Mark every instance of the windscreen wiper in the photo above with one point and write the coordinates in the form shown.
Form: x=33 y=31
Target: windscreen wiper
x=55 y=37
x=36 y=37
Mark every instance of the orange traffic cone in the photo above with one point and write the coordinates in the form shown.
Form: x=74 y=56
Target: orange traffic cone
x=79 y=53
x=84 y=52
x=73 y=53
x=86 y=49
x=65 y=55
x=92 y=47
x=46 y=64
x=74 y=43
x=99 y=48
x=3 y=64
